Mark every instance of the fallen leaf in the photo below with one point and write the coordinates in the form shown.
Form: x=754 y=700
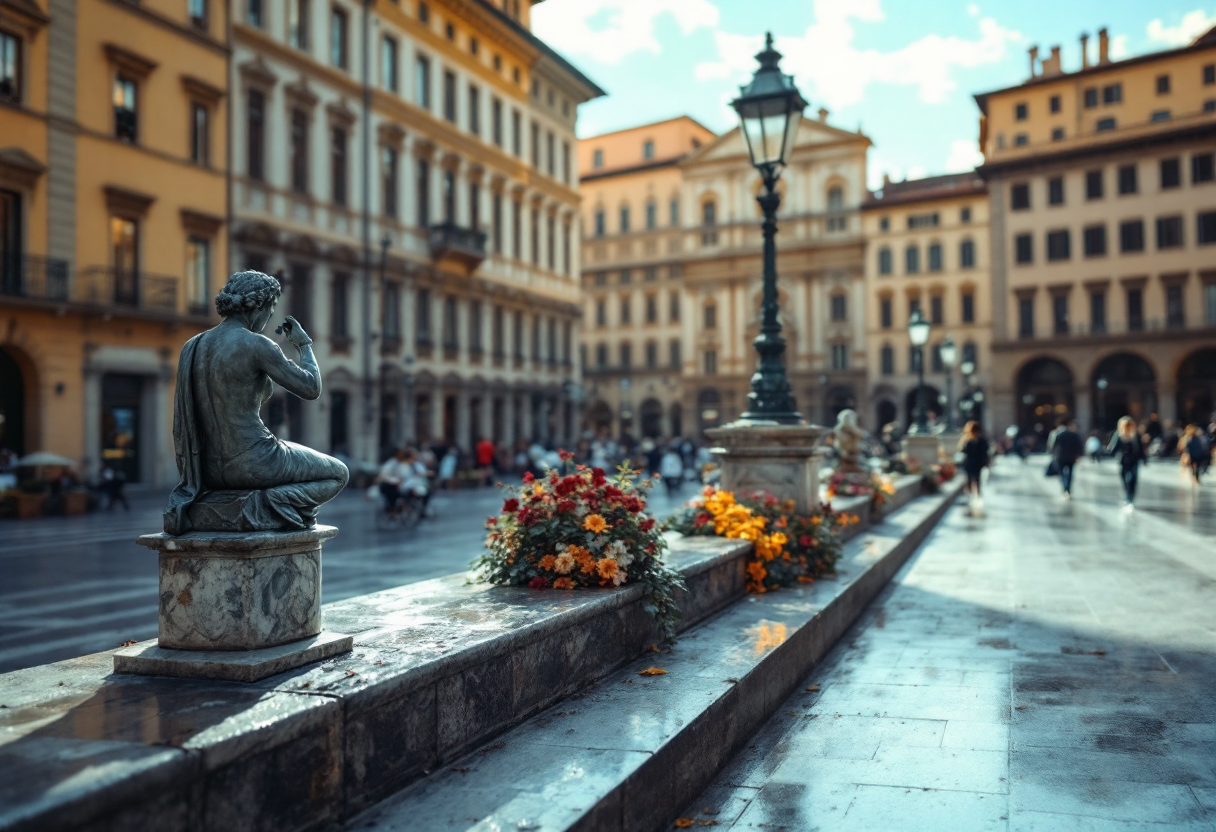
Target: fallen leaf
x=306 y=685
x=654 y=649
x=813 y=689
x=683 y=823
x=350 y=673
x=708 y=811
x=652 y=671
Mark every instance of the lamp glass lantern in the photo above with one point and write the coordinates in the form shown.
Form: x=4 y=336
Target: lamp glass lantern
x=918 y=329
x=949 y=353
x=967 y=368
x=769 y=109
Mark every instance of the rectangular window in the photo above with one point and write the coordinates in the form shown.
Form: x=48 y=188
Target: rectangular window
x=888 y=361
x=498 y=342
x=388 y=181
x=885 y=313
x=535 y=145
x=517 y=329
x=337 y=38
x=1163 y=85
x=935 y=257
x=673 y=354
x=474 y=110
x=391 y=314
x=422 y=82
x=1112 y=93
x=1169 y=232
x=1019 y=197
x=1055 y=103
x=298 y=28
x=475 y=206
x=1175 y=316
x=673 y=307
x=535 y=237
x=566 y=162
x=10 y=68
x=449 y=96
x=422 y=193
x=913 y=306
x=1097 y=312
x=1057 y=134
x=255 y=134
x=338 y=321
x=200 y=134
x=1105 y=124
x=496 y=120
x=197 y=10
x=1203 y=168
x=1095 y=241
x=937 y=313
x=254 y=14
x=1021 y=139
x=1171 y=173
x=652 y=309
x=126 y=111
x=475 y=326
x=673 y=212
x=840 y=356
x=597 y=159
x=1131 y=236
x=1059 y=314
x=1091 y=97
x=652 y=355
x=1209 y=304
x=601 y=313
x=648 y=150
x=711 y=362
x=1055 y=190
x=1160 y=115
x=912 y=260
x=517 y=231
x=1205 y=228
x=1020 y=111
x=1026 y=317
x=1135 y=309
x=1058 y=245
x=198 y=273
x=550 y=154
x=451 y=324
x=388 y=64
x=449 y=196
x=1023 y=249
x=1093 y=184
x=601 y=356
x=840 y=310
x=968 y=307
x=1127 y=179
x=299 y=151
x=337 y=165
x=517 y=134
x=496 y=221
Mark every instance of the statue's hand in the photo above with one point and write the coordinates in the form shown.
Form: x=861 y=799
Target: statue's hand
x=294 y=333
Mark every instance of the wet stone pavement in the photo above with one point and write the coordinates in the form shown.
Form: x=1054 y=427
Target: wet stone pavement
x=1051 y=666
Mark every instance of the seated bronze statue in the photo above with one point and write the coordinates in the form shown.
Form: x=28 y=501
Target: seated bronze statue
x=235 y=475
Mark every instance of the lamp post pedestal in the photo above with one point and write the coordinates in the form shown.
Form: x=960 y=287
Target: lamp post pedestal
x=782 y=460
x=924 y=448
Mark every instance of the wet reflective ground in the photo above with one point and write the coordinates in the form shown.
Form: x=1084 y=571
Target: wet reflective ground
x=1051 y=666
x=70 y=586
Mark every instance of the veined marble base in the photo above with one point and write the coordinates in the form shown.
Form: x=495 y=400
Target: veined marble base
x=924 y=448
x=239 y=590
x=149 y=659
x=782 y=460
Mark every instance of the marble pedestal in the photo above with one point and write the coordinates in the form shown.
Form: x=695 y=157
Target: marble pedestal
x=924 y=448
x=236 y=605
x=782 y=460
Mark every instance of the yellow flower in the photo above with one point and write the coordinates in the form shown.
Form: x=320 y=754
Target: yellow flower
x=595 y=523
x=607 y=568
x=816 y=520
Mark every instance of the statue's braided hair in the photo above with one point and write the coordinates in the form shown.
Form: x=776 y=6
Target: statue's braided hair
x=245 y=292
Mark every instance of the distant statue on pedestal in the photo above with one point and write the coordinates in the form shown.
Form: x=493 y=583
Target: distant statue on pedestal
x=847 y=439
x=235 y=474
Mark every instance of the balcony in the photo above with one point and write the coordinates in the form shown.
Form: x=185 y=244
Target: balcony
x=460 y=249
x=46 y=281
x=1122 y=330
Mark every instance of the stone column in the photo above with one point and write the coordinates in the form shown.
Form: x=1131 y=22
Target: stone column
x=165 y=465
x=509 y=433
x=1167 y=402
x=525 y=411
x=1085 y=415
x=781 y=460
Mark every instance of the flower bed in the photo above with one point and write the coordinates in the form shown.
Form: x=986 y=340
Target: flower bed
x=935 y=476
x=877 y=488
x=581 y=529
x=789 y=547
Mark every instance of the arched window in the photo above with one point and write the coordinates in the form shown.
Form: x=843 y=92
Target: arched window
x=652 y=215
x=884 y=260
x=711 y=316
x=840 y=307
x=835 y=198
x=624 y=219
x=966 y=254
x=601 y=222
x=709 y=213
x=935 y=257
x=674 y=211
x=912 y=260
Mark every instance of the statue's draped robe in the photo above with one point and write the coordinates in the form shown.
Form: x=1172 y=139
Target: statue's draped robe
x=250 y=480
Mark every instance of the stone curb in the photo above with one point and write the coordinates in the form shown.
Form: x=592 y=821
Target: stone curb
x=438 y=668
x=627 y=753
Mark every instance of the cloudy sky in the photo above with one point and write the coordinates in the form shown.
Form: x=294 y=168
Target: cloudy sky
x=902 y=70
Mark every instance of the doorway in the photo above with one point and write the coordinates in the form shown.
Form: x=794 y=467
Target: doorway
x=121 y=418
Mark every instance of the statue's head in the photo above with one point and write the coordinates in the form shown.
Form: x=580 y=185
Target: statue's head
x=847 y=418
x=250 y=297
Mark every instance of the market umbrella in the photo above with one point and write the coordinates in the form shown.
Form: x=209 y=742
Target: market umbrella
x=44 y=458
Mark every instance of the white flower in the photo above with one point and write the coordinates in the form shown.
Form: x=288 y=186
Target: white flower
x=619 y=577
x=564 y=563
x=617 y=547
x=581 y=510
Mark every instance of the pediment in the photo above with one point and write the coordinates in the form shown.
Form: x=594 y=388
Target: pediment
x=730 y=146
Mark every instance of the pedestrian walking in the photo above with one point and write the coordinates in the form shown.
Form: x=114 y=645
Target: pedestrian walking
x=1066 y=448
x=1128 y=449
x=1198 y=454
x=1093 y=448
x=975 y=452
x=671 y=469
x=485 y=460
x=447 y=468
x=114 y=480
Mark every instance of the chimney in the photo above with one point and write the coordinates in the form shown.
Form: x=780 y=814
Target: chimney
x=1103 y=47
x=823 y=114
x=1051 y=66
x=1085 y=50
x=886 y=179
x=1034 y=60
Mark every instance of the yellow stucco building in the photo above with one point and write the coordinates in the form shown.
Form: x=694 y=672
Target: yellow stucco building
x=113 y=201
x=1102 y=187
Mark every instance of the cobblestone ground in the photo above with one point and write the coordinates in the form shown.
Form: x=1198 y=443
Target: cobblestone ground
x=78 y=585
x=1049 y=666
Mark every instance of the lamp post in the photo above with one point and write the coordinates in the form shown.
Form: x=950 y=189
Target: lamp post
x=949 y=354
x=769 y=109
x=1101 y=384
x=385 y=242
x=918 y=334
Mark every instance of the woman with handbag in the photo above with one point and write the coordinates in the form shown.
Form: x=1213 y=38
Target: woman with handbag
x=973 y=457
x=1127 y=447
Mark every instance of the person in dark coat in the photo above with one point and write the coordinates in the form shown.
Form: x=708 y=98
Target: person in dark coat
x=1128 y=449
x=1198 y=454
x=975 y=456
x=1066 y=448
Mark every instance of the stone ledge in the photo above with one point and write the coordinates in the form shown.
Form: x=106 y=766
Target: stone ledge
x=438 y=668
x=235 y=544
x=630 y=752
x=149 y=659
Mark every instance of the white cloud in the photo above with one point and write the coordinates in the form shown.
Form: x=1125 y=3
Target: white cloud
x=610 y=30
x=1192 y=25
x=964 y=156
x=973 y=10
x=831 y=67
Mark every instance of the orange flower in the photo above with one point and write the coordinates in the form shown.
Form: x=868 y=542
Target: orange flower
x=595 y=523
x=816 y=520
x=563 y=583
x=547 y=562
x=607 y=568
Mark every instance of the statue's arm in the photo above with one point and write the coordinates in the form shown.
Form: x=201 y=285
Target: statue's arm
x=302 y=379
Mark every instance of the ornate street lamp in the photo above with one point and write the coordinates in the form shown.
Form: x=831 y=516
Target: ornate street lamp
x=918 y=334
x=769 y=109
x=949 y=354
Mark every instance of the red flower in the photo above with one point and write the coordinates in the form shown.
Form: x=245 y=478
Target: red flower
x=805 y=540
x=511 y=506
x=566 y=455
x=650 y=548
x=528 y=476
x=647 y=524
x=539 y=583
x=700 y=520
x=598 y=477
x=611 y=492
x=633 y=504
x=565 y=505
x=568 y=486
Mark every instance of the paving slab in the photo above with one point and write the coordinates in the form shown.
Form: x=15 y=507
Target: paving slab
x=1050 y=666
